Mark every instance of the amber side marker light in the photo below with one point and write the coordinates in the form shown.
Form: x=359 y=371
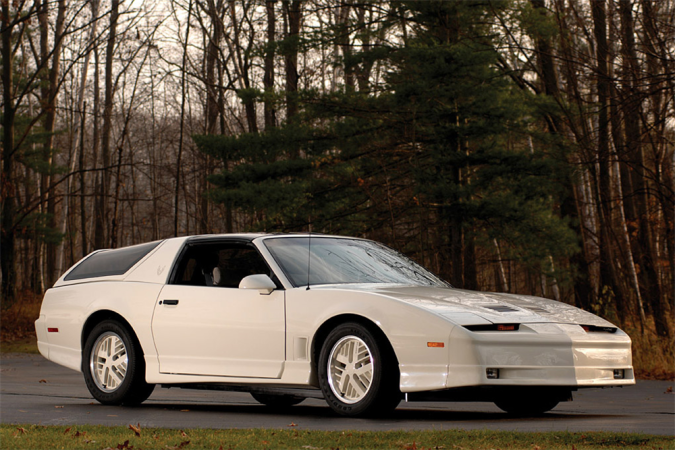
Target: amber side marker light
x=52 y=330
x=435 y=344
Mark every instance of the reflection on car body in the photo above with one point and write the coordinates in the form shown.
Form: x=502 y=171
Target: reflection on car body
x=287 y=317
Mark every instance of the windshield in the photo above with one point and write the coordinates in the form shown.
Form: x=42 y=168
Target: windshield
x=341 y=261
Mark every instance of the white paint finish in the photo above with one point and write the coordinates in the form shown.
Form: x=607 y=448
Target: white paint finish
x=68 y=308
x=221 y=335
x=220 y=331
x=156 y=266
x=261 y=282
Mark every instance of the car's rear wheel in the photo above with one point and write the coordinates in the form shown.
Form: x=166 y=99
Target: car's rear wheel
x=113 y=365
x=358 y=375
x=277 y=400
x=526 y=406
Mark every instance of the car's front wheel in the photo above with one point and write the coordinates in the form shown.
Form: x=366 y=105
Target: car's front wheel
x=113 y=365
x=358 y=375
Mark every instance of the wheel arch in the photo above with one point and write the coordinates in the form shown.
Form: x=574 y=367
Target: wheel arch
x=105 y=314
x=324 y=330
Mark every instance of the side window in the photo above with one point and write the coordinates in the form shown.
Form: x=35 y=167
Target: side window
x=222 y=265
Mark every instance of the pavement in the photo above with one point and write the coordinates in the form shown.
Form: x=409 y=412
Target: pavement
x=36 y=391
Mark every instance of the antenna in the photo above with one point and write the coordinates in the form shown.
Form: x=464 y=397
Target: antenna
x=309 y=257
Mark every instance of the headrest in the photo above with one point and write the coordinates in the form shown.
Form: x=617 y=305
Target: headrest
x=216 y=276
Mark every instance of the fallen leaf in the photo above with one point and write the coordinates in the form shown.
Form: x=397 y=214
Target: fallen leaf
x=57 y=407
x=669 y=390
x=42 y=381
x=125 y=446
x=21 y=430
x=67 y=430
x=182 y=433
x=136 y=429
x=292 y=424
x=184 y=410
x=78 y=434
x=536 y=447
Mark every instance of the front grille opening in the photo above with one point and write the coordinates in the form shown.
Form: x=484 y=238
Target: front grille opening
x=596 y=329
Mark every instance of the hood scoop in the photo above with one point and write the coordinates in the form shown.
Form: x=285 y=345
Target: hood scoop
x=499 y=308
x=537 y=309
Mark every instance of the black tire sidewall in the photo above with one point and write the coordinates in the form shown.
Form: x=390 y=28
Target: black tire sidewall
x=135 y=374
x=369 y=403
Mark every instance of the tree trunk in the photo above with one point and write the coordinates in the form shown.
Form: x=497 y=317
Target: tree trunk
x=293 y=15
x=268 y=78
x=656 y=295
x=7 y=242
x=182 y=122
x=107 y=125
x=603 y=184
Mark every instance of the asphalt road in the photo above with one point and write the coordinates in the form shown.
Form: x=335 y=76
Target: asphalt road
x=34 y=390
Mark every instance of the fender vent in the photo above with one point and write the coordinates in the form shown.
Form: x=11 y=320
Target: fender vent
x=500 y=308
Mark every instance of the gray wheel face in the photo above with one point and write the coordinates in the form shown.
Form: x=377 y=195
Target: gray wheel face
x=108 y=362
x=350 y=369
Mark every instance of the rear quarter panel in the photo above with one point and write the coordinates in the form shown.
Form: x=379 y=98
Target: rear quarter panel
x=68 y=308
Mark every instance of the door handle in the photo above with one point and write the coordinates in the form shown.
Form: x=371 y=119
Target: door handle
x=170 y=302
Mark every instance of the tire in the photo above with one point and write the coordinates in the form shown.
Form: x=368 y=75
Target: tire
x=113 y=365
x=357 y=374
x=520 y=406
x=279 y=401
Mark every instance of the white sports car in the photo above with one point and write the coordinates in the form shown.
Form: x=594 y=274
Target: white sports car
x=286 y=317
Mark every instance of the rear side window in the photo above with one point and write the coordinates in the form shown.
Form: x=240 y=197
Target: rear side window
x=110 y=262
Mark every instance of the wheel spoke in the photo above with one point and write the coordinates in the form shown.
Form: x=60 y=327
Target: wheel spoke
x=350 y=369
x=109 y=361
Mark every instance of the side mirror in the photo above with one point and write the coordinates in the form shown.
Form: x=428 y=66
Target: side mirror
x=261 y=282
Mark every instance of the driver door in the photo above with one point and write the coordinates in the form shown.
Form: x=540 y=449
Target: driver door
x=205 y=325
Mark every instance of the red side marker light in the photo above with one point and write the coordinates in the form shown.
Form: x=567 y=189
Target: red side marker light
x=435 y=344
x=52 y=330
x=586 y=328
x=506 y=327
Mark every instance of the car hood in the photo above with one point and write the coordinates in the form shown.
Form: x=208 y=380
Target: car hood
x=469 y=307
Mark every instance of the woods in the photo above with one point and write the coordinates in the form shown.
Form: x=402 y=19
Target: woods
x=517 y=146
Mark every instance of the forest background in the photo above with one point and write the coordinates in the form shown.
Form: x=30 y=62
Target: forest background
x=521 y=146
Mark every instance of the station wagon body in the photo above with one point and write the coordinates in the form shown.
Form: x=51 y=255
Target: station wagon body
x=287 y=317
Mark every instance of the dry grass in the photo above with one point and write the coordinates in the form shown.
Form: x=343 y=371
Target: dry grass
x=653 y=358
x=73 y=437
x=18 y=321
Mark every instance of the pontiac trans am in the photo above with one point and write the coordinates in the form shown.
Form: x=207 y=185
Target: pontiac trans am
x=287 y=317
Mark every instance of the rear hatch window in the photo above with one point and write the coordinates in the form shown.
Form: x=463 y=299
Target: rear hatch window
x=110 y=262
